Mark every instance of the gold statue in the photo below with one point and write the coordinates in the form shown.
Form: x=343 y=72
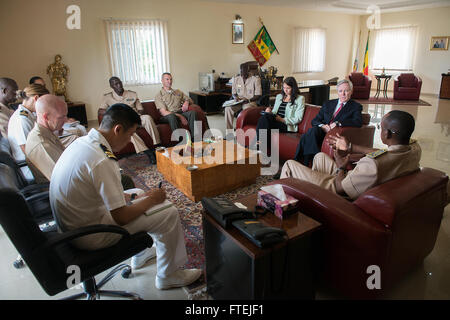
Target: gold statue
x=58 y=74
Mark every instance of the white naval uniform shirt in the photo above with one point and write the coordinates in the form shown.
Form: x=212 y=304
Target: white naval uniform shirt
x=85 y=186
x=19 y=126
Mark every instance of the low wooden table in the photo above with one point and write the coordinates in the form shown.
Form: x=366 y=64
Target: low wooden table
x=229 y=166
x=238 y=269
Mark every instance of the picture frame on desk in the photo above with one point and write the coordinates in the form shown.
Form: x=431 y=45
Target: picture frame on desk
x=237 y=33
x=439 y=43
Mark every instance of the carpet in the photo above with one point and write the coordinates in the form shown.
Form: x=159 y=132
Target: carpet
x=391 y=101
x=146 y=176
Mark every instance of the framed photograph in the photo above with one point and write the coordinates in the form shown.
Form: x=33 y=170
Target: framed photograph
x=237 y=33
x=439 y=43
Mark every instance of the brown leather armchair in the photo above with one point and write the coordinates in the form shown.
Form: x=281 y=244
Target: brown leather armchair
x=164 y=129
x=407 y=86
x=361 y=85
x=393 y=226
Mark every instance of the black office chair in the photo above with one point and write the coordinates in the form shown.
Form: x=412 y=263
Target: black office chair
x=50 y=254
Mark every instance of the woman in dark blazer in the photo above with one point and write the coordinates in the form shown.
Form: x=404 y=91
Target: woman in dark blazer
x=343 y=112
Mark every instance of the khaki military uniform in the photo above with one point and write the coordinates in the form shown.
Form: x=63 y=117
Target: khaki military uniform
x=130 y=98
x=171 y=100
x=244 y=90
x=375 y=168
x=43 y=149
x=5 y=114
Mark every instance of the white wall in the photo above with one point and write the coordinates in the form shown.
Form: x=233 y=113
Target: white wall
x=429 y=65
x=199 y=40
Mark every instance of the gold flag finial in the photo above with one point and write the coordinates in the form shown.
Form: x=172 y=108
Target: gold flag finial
x=260 y=20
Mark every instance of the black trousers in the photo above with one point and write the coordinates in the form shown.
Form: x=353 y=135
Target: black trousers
x=309 y=145
x=268 y=122
x=173 y=121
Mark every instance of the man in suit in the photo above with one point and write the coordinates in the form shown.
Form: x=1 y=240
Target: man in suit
x=342 y=112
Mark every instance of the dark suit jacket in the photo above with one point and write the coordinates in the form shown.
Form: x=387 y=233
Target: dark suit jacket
x=349 y=116
x=311 y=142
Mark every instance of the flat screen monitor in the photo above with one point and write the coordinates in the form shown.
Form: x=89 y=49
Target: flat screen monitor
x=206 y=81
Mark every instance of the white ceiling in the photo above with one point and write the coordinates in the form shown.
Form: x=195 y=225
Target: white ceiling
x=346 y=6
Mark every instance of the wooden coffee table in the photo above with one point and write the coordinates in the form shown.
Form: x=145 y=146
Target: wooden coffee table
x=221 y=167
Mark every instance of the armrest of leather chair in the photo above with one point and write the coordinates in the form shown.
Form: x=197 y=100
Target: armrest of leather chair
x=361 y=136
x=338 y=215
x=249 y=116
x=201 y=116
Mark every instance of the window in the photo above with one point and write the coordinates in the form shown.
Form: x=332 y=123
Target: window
x=309 y=50
x=393 y=49
x=138 y=50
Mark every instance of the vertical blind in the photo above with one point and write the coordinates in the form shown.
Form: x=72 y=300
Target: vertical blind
x=394 y=48
x=138 y=50
x=309 y=50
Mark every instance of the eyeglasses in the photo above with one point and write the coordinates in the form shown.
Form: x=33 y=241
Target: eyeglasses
x=392 y=131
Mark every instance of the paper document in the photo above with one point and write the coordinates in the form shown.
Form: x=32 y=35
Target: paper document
x=232 y=102
x=159 y=207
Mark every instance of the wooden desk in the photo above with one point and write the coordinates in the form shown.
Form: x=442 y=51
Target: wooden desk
x=77 y=110
x=444 y=93
x=210 y=102
x=237 y=269
x=319 y=90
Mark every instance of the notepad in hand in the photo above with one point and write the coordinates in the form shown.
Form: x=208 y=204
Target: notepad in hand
x=232 y=102
x=159 y=207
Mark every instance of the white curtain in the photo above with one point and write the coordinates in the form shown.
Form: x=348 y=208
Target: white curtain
x=393 y=48
x=309 y=50
x=138 y=50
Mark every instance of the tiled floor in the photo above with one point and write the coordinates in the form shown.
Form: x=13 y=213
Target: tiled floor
x=431 y=280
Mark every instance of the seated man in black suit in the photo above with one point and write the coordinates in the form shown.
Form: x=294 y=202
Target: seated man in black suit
x=342 y=112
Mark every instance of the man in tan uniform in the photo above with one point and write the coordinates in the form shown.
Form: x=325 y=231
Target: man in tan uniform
x=43 y=148
x=8 y=88
x=128 y=97
x=245 y=88
x=173 y=105
x=378 y=166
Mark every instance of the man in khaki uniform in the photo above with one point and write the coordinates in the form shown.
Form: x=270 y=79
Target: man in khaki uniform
x=43 y=148
x=245 y=88
x=128 y=97
x=378 y=166
x=8 y=88
x=173 y=105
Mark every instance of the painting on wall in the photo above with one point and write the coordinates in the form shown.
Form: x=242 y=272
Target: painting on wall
x=439 y=43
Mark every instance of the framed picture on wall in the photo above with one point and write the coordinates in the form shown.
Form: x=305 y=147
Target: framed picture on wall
x=439 y=43
x=237 y=33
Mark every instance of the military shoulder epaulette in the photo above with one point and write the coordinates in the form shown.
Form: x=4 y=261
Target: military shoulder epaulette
x=131 y=91
x=411 y=141
x=108 y=153
x=23 y=113
x=106 y=94
x=375 y=154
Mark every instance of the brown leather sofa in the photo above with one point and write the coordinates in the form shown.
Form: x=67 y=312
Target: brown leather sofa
x=393 y=226
x=164 y=129
x=288 y=142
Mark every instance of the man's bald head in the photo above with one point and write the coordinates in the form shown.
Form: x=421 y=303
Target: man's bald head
x=51 y=112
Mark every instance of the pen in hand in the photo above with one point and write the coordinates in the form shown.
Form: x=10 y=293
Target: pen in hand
x=160 y=184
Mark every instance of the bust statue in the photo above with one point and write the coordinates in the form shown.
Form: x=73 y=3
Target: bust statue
x=58 y=72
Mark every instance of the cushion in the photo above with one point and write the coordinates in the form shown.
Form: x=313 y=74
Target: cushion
x=407 y=80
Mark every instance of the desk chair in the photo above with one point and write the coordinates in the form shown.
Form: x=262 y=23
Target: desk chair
x=50 y=254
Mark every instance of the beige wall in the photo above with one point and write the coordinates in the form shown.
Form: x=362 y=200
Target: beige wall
x=199 y=40
x=429 y=65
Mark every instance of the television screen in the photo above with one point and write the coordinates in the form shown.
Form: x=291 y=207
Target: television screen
x=206 y=81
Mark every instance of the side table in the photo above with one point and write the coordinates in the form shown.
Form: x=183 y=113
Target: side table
x=386 y=78
x=238 y=269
